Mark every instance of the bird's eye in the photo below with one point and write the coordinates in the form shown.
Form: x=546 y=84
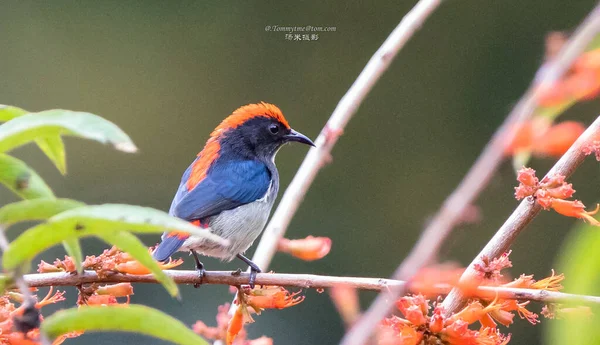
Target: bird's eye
x=274 y=129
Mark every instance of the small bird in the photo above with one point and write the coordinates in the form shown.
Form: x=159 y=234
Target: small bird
x=230 y=187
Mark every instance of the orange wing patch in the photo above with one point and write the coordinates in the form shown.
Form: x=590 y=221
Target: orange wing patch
x=207 y=156
x=212 y=148
x=179 y=234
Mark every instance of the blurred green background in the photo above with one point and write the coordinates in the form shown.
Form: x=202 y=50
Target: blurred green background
x=168 y=71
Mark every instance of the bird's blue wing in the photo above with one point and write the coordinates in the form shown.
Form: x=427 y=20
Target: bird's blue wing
x=227 y=185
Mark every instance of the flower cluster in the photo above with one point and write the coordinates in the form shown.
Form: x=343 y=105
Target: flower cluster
x=105 y=294
x=550 y=193
x=20 y=325
x=422 y=322
x=592 y=147
x=308 y=249
x=255 y=301
x=109 y=262
x=418 y=325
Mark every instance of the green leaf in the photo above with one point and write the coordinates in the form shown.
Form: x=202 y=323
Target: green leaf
x=520 y=159
x=4 y=281
x=553 y=112
x=134 y=318
x=132 y=218
x=73 y=249
x=54 y=148
x=21 y=179
x=35 y=209
x=50 y=123
x=8 y=112
x=95 y=221
x=134 y=247
x=580 y=262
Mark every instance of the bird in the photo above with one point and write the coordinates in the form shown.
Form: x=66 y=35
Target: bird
x=230 y=188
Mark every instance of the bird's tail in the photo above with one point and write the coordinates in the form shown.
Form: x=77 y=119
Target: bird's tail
x=169 y=245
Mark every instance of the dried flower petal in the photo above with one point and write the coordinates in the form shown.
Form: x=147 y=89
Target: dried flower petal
x=308 y=249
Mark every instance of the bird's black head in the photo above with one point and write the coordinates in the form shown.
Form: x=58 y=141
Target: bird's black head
x=257 y=131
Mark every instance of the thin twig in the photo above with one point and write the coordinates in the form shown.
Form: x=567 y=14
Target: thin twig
x=304 y=281
x=474 y=182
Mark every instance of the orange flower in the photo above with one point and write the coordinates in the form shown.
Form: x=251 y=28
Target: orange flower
x=414 y=309
x=585 y=85
x=558 y=139
x=436 y=323
x=272 y=298
x=458 y=333
x=45 y=267
x=308 y=249
x=235 y=324
x=543 y=139
x=592 y=147
x=51 y=299
x=511 y=305
x=474 y=311
x=523 y=138
x=551 y=283
x=490 y=269
x=575 y=209
x=117 y=290
x=583 y=82
x=100 y=300
x=588 y=61
x=134 y=267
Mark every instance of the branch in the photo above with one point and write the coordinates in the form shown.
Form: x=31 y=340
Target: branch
x=473 y=183
x=305 y=281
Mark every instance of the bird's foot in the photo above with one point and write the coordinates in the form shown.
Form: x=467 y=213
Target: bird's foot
x=201 y=274
x=199 y=269
x=254 y=269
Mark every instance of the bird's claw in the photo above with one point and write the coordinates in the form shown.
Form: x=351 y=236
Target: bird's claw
x=253 y=272
x=254 y=269
x=199 y=268
x=201 y=274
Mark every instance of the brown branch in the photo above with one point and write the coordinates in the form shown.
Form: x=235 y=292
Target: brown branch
x=474 y=182
x=304 y=281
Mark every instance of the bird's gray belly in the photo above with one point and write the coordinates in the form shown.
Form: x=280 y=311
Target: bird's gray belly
x=241 y=226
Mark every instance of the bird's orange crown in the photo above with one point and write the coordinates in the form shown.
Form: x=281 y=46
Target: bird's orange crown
x=250 y=111
x=237 y=118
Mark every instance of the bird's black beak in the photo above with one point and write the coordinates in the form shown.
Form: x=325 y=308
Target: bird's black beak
x=299 y=137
